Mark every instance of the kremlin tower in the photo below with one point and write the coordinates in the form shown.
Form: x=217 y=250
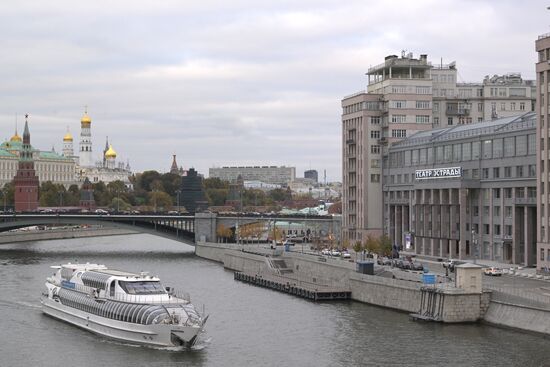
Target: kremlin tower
x=68 y=151
x=86 y=159
x=26 y=181
x=110 y=157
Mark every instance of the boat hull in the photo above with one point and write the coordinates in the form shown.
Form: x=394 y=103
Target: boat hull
x=163 y=335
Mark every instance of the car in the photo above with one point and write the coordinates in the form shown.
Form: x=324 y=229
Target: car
x=346 y=255
x=415 y=265
x=135 y=212
x=173 y=212
x=335 y=252
x=288 y=243
x=325 y=251
x=101 y=211
x=493 y=271
x=383 y=260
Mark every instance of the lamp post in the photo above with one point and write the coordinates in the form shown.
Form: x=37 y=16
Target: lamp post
x=178 y=200
x=118 y=201
x=474 y=242
x=60 y=198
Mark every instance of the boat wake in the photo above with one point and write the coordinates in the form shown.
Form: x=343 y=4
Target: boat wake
x=199 y=345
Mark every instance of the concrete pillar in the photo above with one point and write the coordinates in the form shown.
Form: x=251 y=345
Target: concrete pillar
x=205 y=227
x=463 y=202
x=410 y=72
x=529 y=236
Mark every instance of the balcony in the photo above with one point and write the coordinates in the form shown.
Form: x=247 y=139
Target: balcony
x=458 y=112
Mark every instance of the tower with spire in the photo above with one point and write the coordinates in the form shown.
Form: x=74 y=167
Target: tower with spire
x=86 y=159
x=174 y=168
x=26 y=181
x=68 y=151
x=109 y=158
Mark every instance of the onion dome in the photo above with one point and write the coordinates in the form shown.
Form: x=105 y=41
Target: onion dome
x=110 y=153
x=68 y=137
x=16 y=138
x=85 y=120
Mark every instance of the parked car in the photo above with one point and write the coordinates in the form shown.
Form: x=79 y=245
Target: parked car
x=335 y=252
x=415 y=265
x=383 y=260
x=101 y=211
x=346 y=255
x=325 y=251
x=493 y=271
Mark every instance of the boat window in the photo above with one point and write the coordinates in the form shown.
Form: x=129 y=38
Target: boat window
x=147 y=287
x=112 y=289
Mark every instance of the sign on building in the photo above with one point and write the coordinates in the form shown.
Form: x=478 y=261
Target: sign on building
x=424 y=174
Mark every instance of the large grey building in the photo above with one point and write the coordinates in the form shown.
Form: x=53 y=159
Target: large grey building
x=406 y=95
x=466 y=191
x=268 y=174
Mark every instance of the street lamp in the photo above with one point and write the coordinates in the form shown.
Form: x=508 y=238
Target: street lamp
x=60 y=198
x=474 y=243
x=118 y=201
x=4 y=195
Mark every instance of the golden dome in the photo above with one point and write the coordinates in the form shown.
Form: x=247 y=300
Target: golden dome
x=110 y=153
x=68 y=137
x=86 y=119
x=16 y=138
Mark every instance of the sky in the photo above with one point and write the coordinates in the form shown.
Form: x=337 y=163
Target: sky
x=240 y=82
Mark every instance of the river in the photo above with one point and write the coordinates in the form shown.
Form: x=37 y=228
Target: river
x=248 y=326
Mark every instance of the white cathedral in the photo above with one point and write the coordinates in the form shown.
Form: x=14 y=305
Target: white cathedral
x=106 y=169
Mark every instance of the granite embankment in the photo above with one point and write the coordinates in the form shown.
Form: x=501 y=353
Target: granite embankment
x=444 y=303
x=61 y=233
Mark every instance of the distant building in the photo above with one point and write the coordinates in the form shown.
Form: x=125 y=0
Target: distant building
x=234 y=197
x=193 y=197
x=87 y=200
x=268 y=174
x=312 y=174
x=174 y=168
x=26 y=181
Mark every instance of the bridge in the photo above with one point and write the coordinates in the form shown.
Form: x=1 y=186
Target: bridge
x=184 y=228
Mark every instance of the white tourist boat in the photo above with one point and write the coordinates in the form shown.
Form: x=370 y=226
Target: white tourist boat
x=129 y=307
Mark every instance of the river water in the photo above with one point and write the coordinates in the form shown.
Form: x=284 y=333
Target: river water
x=248 y=326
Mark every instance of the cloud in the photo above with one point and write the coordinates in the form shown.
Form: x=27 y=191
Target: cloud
x=241 y=82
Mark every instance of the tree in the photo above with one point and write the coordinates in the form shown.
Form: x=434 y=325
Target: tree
x=119 y=204
x=171 y=183
x=216 y=197
x=357 y=247
x=146 y=179
x=385 y=245
x=160 y=200
x=223 y=232
x=214 y=183
x=372 y=245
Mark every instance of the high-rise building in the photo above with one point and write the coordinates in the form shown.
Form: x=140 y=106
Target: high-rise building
x=542 y=46
x=26 y=181
x=312 y=175
x=193 y=197
x=406 y=95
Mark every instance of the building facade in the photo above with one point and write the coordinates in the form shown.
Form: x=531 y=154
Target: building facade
x=406 y=95
x=312 y=175
x=465 y=192
x=268 y=174
x=542 y=46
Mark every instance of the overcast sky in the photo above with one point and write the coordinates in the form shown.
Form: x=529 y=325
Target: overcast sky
x=233 y=82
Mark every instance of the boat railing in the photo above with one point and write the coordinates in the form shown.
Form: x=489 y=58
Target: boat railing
x=157 y=299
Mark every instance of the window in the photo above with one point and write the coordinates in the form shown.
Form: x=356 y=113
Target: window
x=399 y=119
x=375 y=177
x=497 y=148
x=466 y=151
x=507 y=172
x=480 y=107
x=449 y=120
x=475 y=210
x=422 y=119
x=142 y=287
x=509 y=146
x=399 y=89
x=521 y=145
x=496 y=193
x=496 y=172
x=375 y=149
x=485 y=173
x=475 y=149
x=375 y=120
x=375 y=134
x=448 y=153
x=399 y=133
x=522 y=106
x=423 y=104
x=486 y=229
x=508 y=211
x=486 y=211
x=375 y=163
x=503 y=106
x=436 y=106
x=496 y=211
x=542 y=254
x=475 y=173
x=480 y=119
x=531 y=144
x=519 y=171
x=513 y=106
x=423 y=90
x=436 y=120
x=487 y=149
x=398 y=104
x=497 y=230
x=532 y=170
